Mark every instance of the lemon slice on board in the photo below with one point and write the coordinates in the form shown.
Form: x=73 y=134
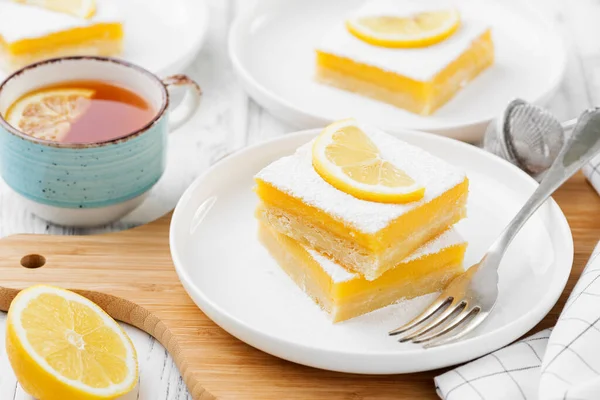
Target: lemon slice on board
x=416 y=30
x=345 y=157
x=48 y=114
x=63 y=346
x=79 y=8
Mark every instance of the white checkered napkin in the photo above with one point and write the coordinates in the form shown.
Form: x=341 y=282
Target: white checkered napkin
x=562 y=363
x=571 y=366
x=508 y=374
x=592 y=172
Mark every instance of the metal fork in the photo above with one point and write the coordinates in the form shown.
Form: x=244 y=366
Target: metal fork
x=471 y=297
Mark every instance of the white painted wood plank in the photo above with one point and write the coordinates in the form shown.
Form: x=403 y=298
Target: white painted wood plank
x=263 y=126
x=582 y=30
x=577 y=23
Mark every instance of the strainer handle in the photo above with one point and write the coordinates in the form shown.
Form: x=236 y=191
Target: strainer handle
x=580 y=147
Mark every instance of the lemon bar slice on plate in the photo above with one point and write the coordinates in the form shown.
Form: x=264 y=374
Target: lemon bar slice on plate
x=29 y=34
x=368 y=237
x=344 y=294
x=355 y=56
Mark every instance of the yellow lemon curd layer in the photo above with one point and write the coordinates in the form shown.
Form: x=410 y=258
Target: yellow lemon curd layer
x=418 y=96
x=344 y=294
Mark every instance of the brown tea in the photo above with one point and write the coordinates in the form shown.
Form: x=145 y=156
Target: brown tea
x=80 y=112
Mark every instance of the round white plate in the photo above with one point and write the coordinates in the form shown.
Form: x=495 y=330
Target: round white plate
x=232 y=278
x=272 y=50
x=163 y=37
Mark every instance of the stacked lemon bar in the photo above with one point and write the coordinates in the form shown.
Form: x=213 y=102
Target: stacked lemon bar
x=360 y=220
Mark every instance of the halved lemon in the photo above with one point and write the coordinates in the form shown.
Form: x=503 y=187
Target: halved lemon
x=79 y=8
x=416 y=30
x=48 y=114
x=345 y=157
x=63 y=346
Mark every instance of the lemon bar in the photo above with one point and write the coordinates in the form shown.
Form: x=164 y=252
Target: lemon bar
x=29 y=34
x=420 y=79
x=365 y=236
x=344 y=294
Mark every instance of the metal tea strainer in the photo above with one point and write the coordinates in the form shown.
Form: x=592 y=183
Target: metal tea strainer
x=528 y=136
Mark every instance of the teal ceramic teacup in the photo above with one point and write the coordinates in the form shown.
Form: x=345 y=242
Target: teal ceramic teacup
x=97 y=183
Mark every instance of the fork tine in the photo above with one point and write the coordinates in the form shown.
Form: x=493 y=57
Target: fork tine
x=435 y=322
x=453 y=324
x=432 y=309
x=473 y=323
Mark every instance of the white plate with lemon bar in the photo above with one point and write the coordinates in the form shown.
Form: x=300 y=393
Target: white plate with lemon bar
x=235 y=281
x=163 y=37
x=273 y=51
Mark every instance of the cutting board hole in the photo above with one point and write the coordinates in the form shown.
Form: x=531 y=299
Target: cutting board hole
x=33 y=261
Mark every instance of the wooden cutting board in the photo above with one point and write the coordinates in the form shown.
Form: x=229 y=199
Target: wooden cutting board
x=130 y=274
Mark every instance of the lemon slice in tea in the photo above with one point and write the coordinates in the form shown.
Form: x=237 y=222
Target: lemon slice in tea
x=48 y=114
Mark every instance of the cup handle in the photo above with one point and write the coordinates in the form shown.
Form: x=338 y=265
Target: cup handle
x=191 y=100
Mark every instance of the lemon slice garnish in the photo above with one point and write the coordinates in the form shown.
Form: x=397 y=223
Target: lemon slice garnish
x=63 y=346
x=345 y=157
x=79 y=8
x=416 y=30
x=48 y=114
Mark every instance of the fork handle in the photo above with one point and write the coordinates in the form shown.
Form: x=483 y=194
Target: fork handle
x=580 y=147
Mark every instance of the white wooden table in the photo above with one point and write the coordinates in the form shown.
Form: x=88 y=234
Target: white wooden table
x=229 y=120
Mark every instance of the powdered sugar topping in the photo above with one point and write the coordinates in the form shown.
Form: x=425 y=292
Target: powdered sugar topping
x=295 y=176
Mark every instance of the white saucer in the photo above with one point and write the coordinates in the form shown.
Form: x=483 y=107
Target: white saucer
x=232 y=278
x=163 y=37
x=272 y=50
